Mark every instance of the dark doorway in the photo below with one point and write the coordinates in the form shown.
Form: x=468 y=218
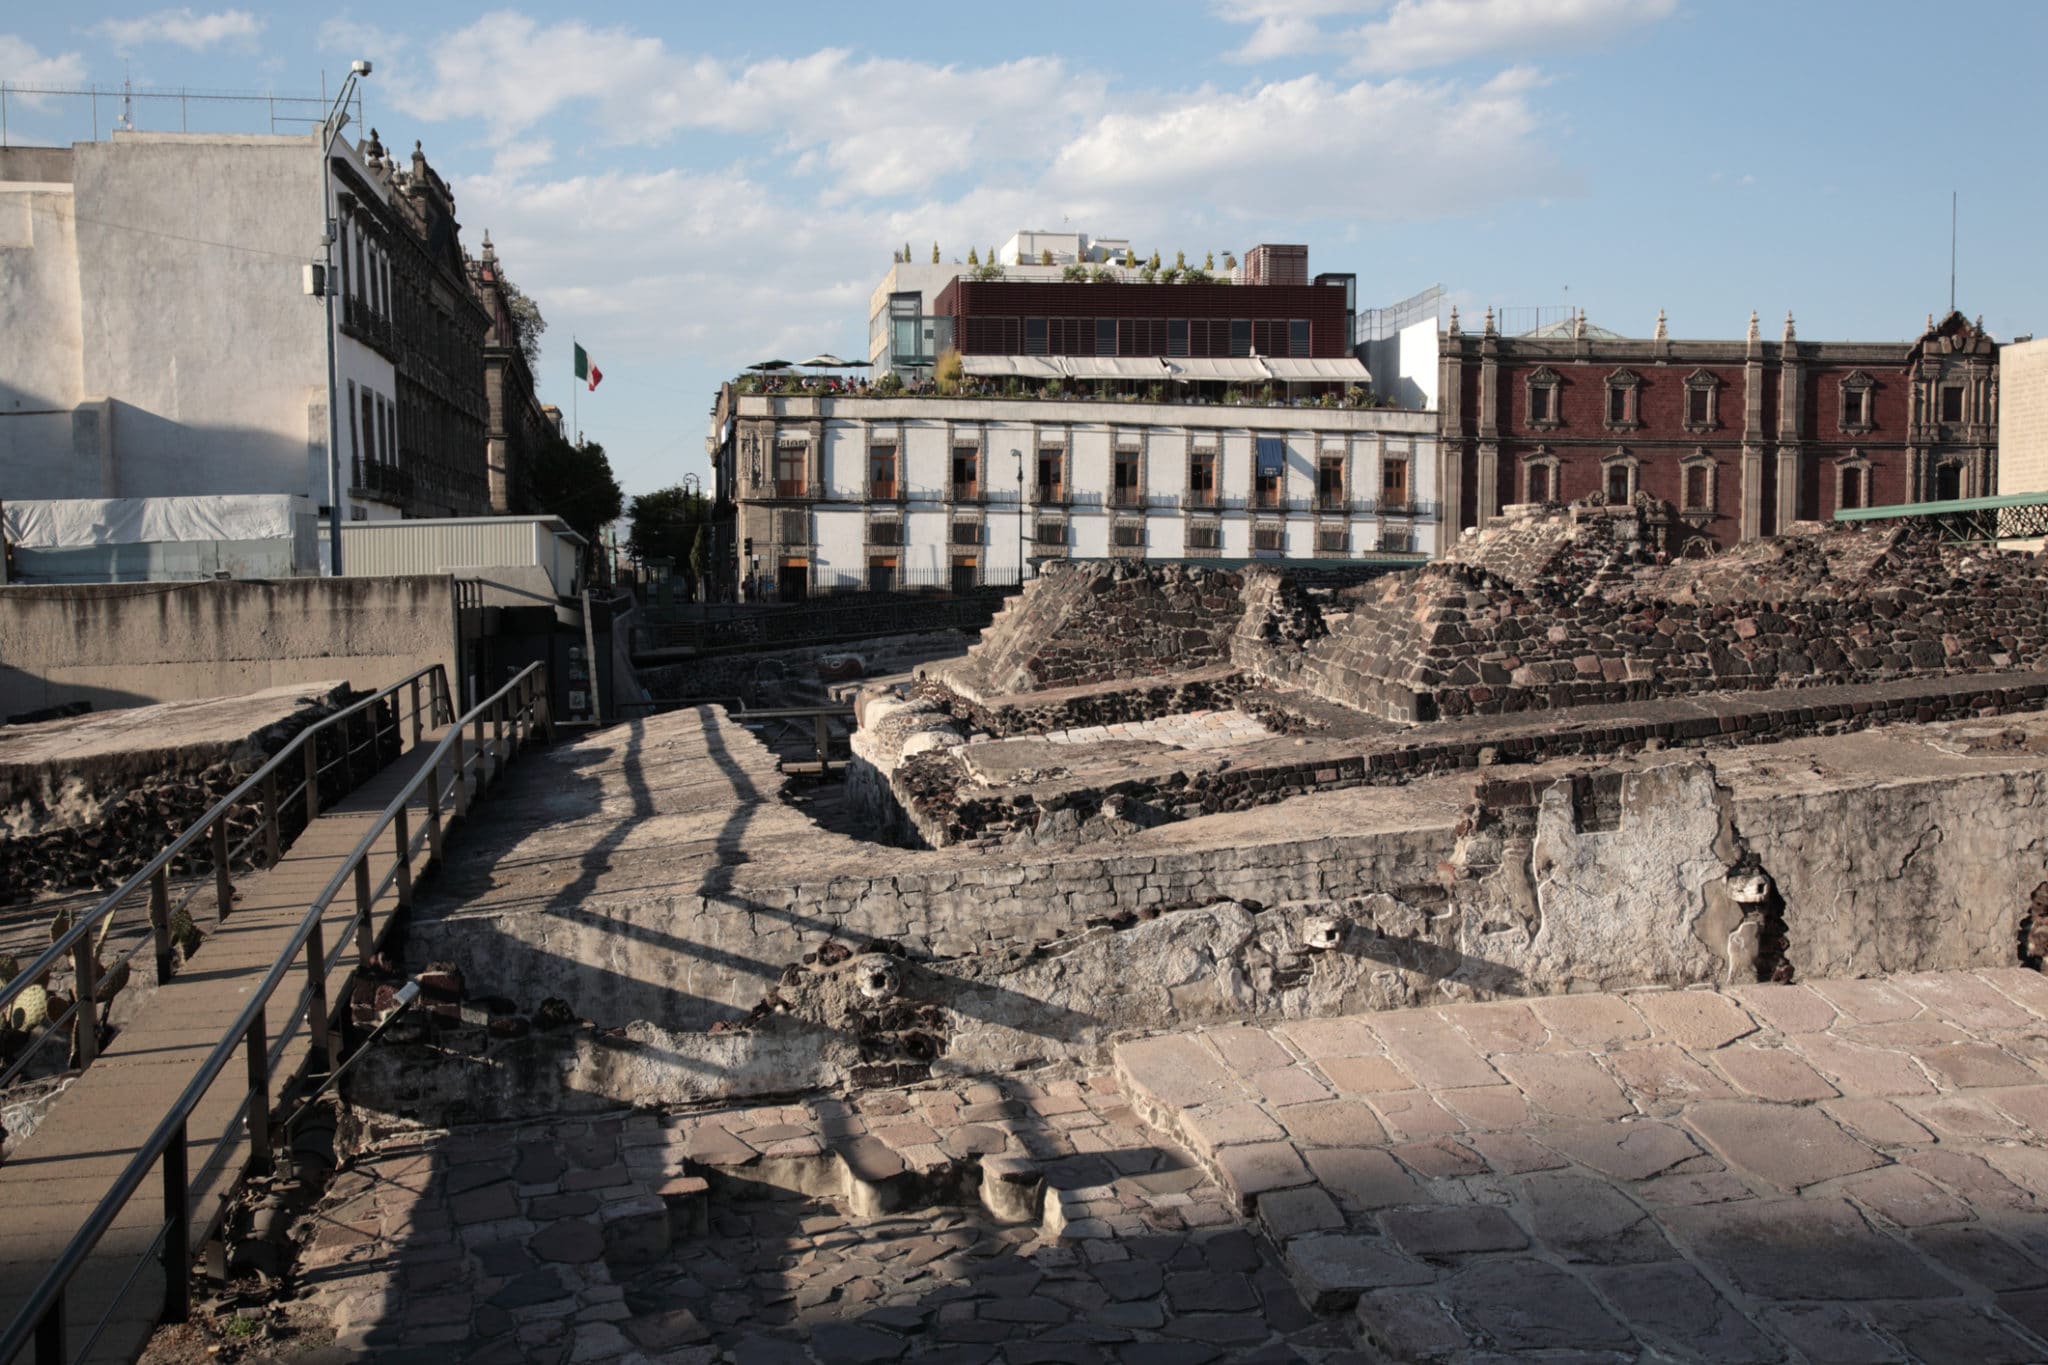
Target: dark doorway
x=792 y=583
x=963 y=573
x=1948 y=482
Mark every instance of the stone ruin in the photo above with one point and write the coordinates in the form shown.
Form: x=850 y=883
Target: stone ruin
x=1550 y=612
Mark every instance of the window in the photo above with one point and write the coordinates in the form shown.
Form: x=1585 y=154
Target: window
x=1051 y=479
x=1951 y=403
x=1699 y=487
x=1394 y=484
x=1332 y=540
x=1536 y=485
x=355 y=448
x=795 y=528
x=1130 y=534
x=1049 y=532
x=1105 y=336
x=789 y=470
x=1948 y=482
x=1177 y=336
x=1620 y=481
x=1622 y=409
x=966 y=473
x=906 y=329
x=1202 y=479
x=1269 y=470
x=1205 y=536
x=1854 y=493
x=1856 y=404
x=967 y=533
x=1240 y=336
x=885 y=533
x=1702 y=398
x=1330 y=482
x=370 y=426
x=1543 y=388
x=1034 y=336
x=1400 y=541
x=882 y=471
x=1126 y=492
x=1298 y=337
x=1268 y=538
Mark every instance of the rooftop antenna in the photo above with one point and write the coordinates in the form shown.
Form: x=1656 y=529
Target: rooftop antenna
x=1951 y=251
x=126 y=123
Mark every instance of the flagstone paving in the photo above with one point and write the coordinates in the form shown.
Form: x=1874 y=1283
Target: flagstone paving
x=1835 y=1172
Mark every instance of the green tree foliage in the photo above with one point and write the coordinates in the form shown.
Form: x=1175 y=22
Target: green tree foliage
x=576 y=484
x=700 y=553
x=1180 y=260
x=1154 y=262
x=972 y=257
x=992 y=257
x=935 y=253
x=1130 y=259
x=949 y=371
x=1209 y=262
x=666 y=523
x=1045 y=256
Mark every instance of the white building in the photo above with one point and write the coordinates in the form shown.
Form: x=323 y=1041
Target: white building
x=839 y=492
x=160 y=339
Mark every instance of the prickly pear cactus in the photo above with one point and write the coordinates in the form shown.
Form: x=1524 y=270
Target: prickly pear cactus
x=30 y=1010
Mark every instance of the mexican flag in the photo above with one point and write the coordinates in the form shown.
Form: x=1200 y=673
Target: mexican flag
x=586 y=370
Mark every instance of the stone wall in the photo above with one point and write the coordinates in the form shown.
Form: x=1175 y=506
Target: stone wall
x=1083 y=622
x=1587 y=619
x=131 y=644
x=1888 y=854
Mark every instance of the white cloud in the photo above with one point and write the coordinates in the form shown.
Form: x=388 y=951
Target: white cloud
x=22 y=64
x=183 y=28
x=1419 y=34
x=1311 y=148
x=1285 y=28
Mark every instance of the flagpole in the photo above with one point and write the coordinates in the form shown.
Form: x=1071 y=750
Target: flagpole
x=575 y=422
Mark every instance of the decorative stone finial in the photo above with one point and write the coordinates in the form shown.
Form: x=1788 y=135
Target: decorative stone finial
x=1754 y=334
x=1661 y=333
x=1788 y=325
x=1930 y=322
x=1489 y=319
x=1454 y=319
x=374 y=152
x=1578 y=324
x=490 y=252
x=1980 y=322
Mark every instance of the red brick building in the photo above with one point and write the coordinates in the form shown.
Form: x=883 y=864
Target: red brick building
x=1741 y=438
x=1007 y=317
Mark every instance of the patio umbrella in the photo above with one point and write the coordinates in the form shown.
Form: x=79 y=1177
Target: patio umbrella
x=828 y=361
x=771 y=365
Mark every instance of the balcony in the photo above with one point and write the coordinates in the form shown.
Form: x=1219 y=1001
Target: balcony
x=1268 y=499
x=1126 y=495
x=1332 y=500
x=792 y=488
x=966 y=491
x=1203 y=498
x=375 y=480
x=882 y=490
x=1051 y=494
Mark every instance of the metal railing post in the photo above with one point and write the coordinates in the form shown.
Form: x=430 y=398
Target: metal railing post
x=160 y=919
x=365 y=946
x=822 y=733
x=415 y=713
x=50 y=1344
x=177 y=1231
x=498 y=754
x=434 y=812
x=401 y=826
x=223 y=880
x=273 y=833
x=461 y=785
x=312 y=780
x=86 y=1026
x=483 y=753
x=317 y=1008
x=257 y=1043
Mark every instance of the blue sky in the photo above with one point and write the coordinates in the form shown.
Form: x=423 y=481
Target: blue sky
x=687 y=188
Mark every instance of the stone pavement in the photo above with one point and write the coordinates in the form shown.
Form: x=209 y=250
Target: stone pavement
x=1847 y=1171
x=832 y=1231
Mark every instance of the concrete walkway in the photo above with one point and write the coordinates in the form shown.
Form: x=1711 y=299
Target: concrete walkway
x=50 y=1183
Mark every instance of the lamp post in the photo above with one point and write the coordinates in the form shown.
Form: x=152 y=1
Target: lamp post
x=1018 y=456
x=693 y=488
x=337 y=116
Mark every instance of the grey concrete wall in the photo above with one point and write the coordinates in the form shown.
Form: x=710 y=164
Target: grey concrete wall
x=127 y=644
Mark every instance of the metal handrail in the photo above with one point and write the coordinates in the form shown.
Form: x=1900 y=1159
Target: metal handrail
x=41 y=1319
x=157 y=870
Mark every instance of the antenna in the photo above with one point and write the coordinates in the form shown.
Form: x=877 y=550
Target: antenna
x=126 y=123
x=1951 y=251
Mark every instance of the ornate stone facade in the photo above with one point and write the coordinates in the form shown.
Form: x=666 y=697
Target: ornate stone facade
x=1741 y=438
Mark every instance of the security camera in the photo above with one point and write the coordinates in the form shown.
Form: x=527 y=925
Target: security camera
x=361 y=68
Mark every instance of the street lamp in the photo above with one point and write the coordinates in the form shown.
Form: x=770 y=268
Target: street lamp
x=337 y=117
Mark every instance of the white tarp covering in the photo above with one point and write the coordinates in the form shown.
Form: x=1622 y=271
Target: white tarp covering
x=73 y=522
x=1222 y=370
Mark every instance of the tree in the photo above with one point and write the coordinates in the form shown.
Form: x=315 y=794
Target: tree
x=1130 y=259
x=1045 y=256
x=526 y=319
x=935 y=253
x=700 y=554
x=992 y=257
x=576 y=484
x=1154 y=262
x=972 y=257
x=1209 y=261
x=666 y=524
x=1180 y=260
x=906 y=252
x=949 y=372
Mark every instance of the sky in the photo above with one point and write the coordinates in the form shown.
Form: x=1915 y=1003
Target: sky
x=688 y=188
